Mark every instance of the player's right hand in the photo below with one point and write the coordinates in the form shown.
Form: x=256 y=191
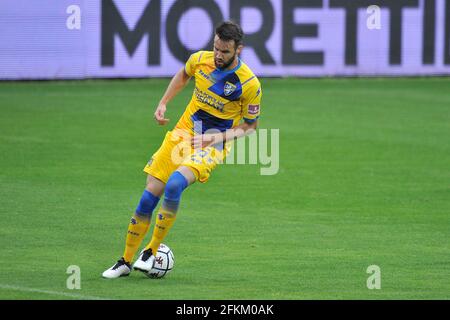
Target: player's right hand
x=159 y=115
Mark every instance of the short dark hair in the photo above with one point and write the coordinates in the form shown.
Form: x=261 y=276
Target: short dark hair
x=229 y=30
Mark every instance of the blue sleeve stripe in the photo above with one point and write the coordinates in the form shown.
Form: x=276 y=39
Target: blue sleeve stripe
x=251 y=120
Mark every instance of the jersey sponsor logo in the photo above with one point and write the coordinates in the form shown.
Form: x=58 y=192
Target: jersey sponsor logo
x=208 y=99
x=228 y=88
x=253 y=108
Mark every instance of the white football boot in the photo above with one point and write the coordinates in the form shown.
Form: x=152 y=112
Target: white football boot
x=145 y=262
x=120 y=269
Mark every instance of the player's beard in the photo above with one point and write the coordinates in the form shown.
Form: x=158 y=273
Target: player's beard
x=225 y=64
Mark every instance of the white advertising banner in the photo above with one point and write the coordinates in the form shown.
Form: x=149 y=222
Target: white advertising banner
x=70 y=39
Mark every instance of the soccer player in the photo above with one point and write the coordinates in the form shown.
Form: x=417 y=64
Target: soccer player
x=226 y=99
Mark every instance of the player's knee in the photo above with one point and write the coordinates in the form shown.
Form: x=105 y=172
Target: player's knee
x=155 y=186
x=147 y=204
x=175 y=186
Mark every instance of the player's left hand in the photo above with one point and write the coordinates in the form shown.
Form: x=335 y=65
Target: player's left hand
x=200 y=141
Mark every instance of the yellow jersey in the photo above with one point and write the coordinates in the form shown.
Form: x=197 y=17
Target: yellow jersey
x=221 y=98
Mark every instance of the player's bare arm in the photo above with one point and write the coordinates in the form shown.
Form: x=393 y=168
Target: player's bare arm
x=178 y=82
x=207 y=139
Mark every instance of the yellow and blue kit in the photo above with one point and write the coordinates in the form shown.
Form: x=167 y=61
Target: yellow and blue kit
x=221 y=99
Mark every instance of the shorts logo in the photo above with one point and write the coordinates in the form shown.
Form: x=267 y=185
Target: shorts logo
x=253 y=108
x=228 y=88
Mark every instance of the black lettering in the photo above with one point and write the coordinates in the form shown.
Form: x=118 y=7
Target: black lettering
x=351 y=22
x=257 y=40
x=447 y=33
x=395 y=42
x=395 y=39
x=429 y=32
x=113 y=23
x=180 y=7
x=292 y=31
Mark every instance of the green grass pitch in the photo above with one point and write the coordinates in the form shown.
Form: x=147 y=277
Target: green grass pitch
x=364 y=179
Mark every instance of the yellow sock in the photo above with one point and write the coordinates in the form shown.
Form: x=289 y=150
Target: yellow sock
x=164 y=221
x=137 y=229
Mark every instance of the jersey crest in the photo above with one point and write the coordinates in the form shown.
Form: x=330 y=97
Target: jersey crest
x=228 y=88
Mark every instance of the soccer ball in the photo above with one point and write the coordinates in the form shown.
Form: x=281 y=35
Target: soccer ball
x=164 y=261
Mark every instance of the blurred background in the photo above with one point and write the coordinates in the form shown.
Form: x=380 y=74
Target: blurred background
x=358 y=89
